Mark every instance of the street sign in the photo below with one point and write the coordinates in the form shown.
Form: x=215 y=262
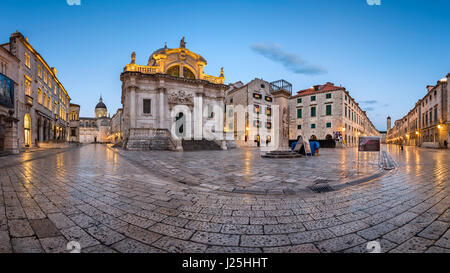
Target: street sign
x=369 y=144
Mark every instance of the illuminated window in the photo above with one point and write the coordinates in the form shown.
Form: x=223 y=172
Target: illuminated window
x=256 y=109
x=27 y=60
x=269 y=111
x=39 y=95
x=269 y=99
x=27 y=129
x=45 y=99
x=174 y=71
x=27 y=87
x=45 y=77
x=257 y=96
x=40 y=71
x=188 y=73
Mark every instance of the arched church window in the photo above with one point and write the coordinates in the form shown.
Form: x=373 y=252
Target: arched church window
x=174 y=71
x=188 y=74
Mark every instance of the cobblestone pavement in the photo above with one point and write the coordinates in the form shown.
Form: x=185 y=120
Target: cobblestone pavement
x=244 y=170
x=108 y=203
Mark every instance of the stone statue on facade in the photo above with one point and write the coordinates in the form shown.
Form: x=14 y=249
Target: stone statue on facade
x=133 y=57
x=182 y=43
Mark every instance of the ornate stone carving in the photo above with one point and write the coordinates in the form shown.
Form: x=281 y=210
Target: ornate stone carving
x=180 y=98
x=285 y=124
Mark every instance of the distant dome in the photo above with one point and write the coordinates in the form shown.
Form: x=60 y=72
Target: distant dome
x=100 y=104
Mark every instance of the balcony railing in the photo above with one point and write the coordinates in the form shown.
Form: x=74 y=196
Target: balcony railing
x=155 y=69
x=29 y=100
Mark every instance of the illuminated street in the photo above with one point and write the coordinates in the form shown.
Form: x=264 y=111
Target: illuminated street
x=142 y=202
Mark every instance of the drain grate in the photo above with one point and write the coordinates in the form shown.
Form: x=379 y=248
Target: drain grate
x=321 y=188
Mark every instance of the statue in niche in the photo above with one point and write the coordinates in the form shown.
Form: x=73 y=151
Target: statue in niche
x=133 y=57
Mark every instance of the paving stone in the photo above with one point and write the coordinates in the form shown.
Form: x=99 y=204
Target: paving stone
x=264 y=240
x=139 y=234
x=385 y=246
x=324 y=223
x=305 y=248
x=340 y=243
x=98 y=249
x=133 y=246
x=215 y=238
x=83 y=220
x=5 y=244
x=310 y=236
x=403 y=233
x=413 y=245
x=26 y=245
x=137 y=221
x=283 y=228
x=435 y=230
x=54 y=244
x=230 y=249
x=376 y=231
x=435 y=249
x=105 y=234
x=179 y=246
x=444 y=241
x=242 y=229
x=172 y=231
x=60 y=220
x=44 y=228
x=20 y=228
x=347 y=228
x=79 y=235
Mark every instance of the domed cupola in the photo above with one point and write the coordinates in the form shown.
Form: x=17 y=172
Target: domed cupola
x=100 y=109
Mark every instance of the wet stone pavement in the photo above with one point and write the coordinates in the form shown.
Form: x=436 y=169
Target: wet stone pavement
x=108 y=202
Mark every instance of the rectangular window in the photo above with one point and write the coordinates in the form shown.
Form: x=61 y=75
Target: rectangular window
x=328 y=96
x=269 y=111
x=313 y=111
x=435 y=114
x=345 y=97
x=40 y=71
x=27 y=60
x=256 y=109
x=269 y=125
x=299 y=100
x=256 y=123
x=313 y=126
x=299 y=126
x=299 y=113
x=27 y=87
x=257 y=96
x=313 y=98
x=231 y=100
x=147 y=106
x=328 y=124
x=329 y=110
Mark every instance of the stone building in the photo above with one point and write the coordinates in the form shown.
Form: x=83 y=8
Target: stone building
x=253 y=105
x=74 y=135
x=41 y=103
x=116 y=135
x=96 y=129
x=171 y=102
x=9 y=68
x=426 y=125
x=328 y=112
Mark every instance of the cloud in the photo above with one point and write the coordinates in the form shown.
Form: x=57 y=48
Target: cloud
x=369 y=102
x=290 y=61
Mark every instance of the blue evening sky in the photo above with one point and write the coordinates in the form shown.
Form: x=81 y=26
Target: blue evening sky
x=384 y=55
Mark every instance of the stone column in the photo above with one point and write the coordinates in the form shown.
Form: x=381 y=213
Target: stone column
x=161 y=114
x=281 y=99
x=11 y=135
x=198 y=114
x=132 y=109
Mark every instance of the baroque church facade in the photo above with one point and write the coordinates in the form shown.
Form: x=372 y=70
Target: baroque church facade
x=96 y=129
x=171 y=101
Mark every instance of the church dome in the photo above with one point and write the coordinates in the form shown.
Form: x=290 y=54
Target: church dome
x=100 y=105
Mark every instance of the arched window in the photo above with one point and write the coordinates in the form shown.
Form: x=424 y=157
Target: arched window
x=45 y=99
x=188 y=74
x=40 y=95
x=174 y=71
x=313 y=137
x=328 y=137
x=27 y=129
